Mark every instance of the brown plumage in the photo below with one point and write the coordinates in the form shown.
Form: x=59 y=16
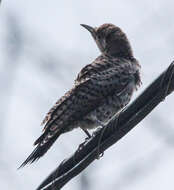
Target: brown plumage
x=100 y=91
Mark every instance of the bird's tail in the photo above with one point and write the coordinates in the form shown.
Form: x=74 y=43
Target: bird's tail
x=40 y=149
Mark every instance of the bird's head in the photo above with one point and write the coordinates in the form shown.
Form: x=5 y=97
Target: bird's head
x=111 y=40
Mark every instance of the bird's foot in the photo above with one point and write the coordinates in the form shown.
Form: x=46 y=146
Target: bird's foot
x=83 y=143
x=80 y=147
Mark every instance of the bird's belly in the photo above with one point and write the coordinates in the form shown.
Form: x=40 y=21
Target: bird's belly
x=110 y=107
x=106 y=111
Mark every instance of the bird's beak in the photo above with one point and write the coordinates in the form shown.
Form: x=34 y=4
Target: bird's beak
x=90 y=29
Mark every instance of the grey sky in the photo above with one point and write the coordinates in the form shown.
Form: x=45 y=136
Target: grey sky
x=42 y=48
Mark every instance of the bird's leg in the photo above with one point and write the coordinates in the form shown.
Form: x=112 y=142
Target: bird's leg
x=86 y=132
x=86 y=139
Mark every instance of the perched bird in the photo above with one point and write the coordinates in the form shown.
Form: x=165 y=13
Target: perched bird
x=100 y=91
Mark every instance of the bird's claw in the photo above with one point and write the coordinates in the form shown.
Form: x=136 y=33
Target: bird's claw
x=83 y=144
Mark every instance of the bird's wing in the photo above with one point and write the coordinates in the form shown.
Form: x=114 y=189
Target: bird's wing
x=77 y=102
x=84 y=75
x=57 y=108
x=100 y=64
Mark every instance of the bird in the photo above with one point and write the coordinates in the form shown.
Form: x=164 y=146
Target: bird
x=100 y=91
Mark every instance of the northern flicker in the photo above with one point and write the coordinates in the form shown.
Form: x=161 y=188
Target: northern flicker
x=100 y=91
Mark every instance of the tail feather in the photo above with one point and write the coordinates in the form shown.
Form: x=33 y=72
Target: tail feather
x=39 y=151
x=40 y=139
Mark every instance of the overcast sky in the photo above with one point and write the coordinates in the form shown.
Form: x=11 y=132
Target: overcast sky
x=42 y=49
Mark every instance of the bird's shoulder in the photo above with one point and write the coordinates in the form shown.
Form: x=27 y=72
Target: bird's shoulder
x=103 y=64
x=96 y=67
